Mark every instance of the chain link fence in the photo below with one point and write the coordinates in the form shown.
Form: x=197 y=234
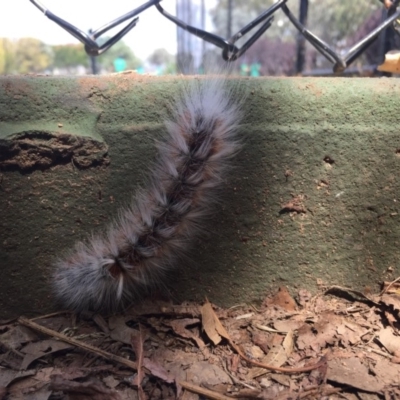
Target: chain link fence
x=252 y=32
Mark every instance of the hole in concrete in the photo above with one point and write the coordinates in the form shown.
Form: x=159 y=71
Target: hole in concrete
x=29 y=151
x=329 y=160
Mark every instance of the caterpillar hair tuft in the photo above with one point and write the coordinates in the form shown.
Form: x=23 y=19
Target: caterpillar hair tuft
x=106 y=272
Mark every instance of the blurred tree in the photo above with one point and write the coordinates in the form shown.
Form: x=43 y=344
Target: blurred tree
x=31 y=55
x=332 y=20
x=336 y=22
x=165 y=61
x=69 y=56
x=171 y=69
x=275 y=56
x=7 y=56
x=119 y=50
x=161 y=57
x=244 y=11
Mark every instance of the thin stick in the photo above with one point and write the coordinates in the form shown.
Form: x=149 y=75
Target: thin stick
x=77 y=343
x=205 y=392
x=389 y=286
x=50 y=315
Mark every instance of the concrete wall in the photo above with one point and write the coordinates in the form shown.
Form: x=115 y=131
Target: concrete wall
x=73 y=150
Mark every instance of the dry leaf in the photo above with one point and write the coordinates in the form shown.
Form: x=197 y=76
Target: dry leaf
x=353 y=373
x=91 y=390
x=389 y=340
x=287 y=325
x=7 y=376
x=391 y=300
x=276 y=357
x=283 y=299
x=179 y=327
x=288 y=343
x=137 y=346
x=16 y=337
x=212 y=325
x=157 y=370
x=36 y=350
x=120 y=331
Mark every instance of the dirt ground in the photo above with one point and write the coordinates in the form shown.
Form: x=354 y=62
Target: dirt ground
x=339 y=344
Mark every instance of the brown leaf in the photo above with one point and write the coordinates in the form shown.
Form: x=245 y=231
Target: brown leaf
x=323 y=333
x=202 y=372
x=35 y=386
x=16 y=337
x=288 y=343
x=262 y=340
x=386 y=372
x=7 y=376
x=391 y=300
x=179 y=327
x=137 y=346
x=157 y=370
x=389 y=340
x=288 y=325
x=276 y=357
x=212 y=325
x=36 y=350
x=283 y=299
x=92 y=390
x=120 y=331
x=353 y=373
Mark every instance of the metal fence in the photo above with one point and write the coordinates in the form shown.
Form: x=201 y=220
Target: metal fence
x=230 y=50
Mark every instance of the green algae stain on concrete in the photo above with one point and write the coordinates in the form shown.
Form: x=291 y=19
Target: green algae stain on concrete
x=46 y=121
x=46 y=104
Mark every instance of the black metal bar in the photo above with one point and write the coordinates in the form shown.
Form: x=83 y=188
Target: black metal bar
x=359 y=48
x=110 y=42
x=98 y=32
x=229 y=19
x=207 y=36
x=227 y=56
x=318 y=43
x=91 y=47
x=301 y=40
x=230 y=51
x=275 y=7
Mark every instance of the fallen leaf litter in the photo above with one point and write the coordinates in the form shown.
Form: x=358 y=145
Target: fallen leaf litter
x=338 y=344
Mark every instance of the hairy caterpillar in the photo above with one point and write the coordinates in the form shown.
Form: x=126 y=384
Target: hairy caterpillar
x=147 y=238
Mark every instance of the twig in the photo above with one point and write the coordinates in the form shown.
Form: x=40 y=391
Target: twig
x=389 y=286
x=205 y=392
x=77 y=343
x=290 y=370
x=50 y=315
x=236 y=380
x=317 y=391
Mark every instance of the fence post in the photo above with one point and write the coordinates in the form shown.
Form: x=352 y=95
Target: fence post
x=301 y=40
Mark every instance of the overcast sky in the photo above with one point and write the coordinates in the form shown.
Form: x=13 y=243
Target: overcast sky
x=20 y=18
